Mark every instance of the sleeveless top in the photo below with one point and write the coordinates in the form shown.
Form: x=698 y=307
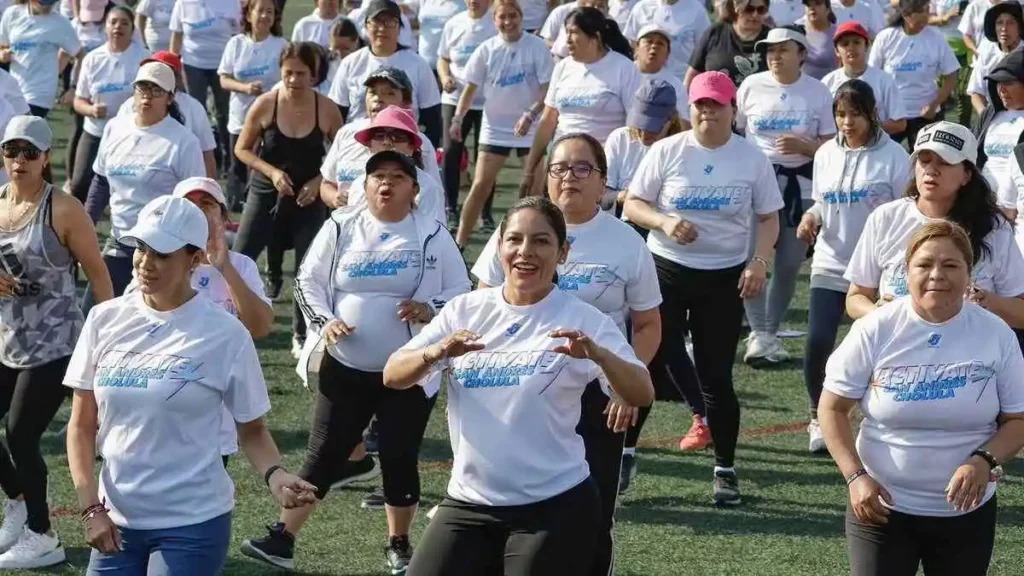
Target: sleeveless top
x=300 y=158
x=42 y=322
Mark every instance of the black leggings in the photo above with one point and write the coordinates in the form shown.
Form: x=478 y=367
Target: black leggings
x=238 y=175
x=86 y=150
x=198 y=81
x=76 y=135
x=914 y=126
x=946 y=546
x=30 y=398
x=38 y=111
x=453 y=151
x=553 y=537
x=825 y=311
x=604 y=456
x=346 y=401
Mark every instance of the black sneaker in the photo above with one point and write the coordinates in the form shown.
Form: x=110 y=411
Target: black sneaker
x=371 y=439
x=453 y=220
x=726 y=489
x=399 y=553
x=487 y=224
x=374 y=500
x=277 y=548
x=627 y=472
x=274 y=288
x=358 y=471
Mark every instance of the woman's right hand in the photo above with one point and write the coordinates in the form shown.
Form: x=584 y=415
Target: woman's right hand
x=282 y=182
x=336 y=329
x=255 y=88
x=8 y=286
x=99 y=110
x=526 y=184
x=866 y=496
x=448 y=84
x=455 y=130
x=102 y=534
x=458 y=344
x=679 y=230
x=335 y=199
x=808 y=228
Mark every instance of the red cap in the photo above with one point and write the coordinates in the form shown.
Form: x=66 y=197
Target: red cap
x=714 y=85
x=167 y=57
x=851 y=27
x=392 y=117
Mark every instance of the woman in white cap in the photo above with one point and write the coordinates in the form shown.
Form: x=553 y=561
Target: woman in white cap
x=44 y=232
x=787 y=114
x=31 y=35
x=938 y=382
x=706 y=195
x=150 y=373
x=685 y=23
x=153 y=18
x=512 y=70
x=373 y=274
x=947 y=185
x=140 y=157
x=652 y=51
x=855 y=173
x=916 y=54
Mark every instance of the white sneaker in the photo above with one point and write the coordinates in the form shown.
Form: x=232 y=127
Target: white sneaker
x=296 y=348
x=758 y=347
x=817 y=443
x=15 y=516
x=776 y=351
x=33 y=551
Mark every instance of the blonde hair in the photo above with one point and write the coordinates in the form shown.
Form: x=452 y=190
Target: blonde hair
x=675 y=126
x=513 y=4
x=937 y=231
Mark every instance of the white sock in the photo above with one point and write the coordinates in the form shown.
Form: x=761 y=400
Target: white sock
x=729 y=470
x=629 y=451
x=704 y=420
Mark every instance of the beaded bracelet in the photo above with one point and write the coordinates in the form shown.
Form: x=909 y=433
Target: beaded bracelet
x=855 y=475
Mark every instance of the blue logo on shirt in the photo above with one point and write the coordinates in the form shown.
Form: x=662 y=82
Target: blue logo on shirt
x=510 y=80
x=934 y=339
x=578 y=101
x=781 y=121
x=348 y=174
x=907 y=66
x=511 y=331
x=385 y=236
x=23 y=45
x=111 y=87
x=783 y=96
x=254 y=72
x=202 y=24
x=928 y=382
x=204 y=281
x=503 y=369
x=708 y=168
x=840 y=197
x=707 y=197
x=123 y=369
x=373 y=264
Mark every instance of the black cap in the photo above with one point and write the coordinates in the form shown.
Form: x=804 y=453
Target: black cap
x=1009 y=69
x=377 y=7
x=1012 y=8
x=407 y=164
x=395 y=76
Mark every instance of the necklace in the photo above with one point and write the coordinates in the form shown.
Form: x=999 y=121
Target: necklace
x=15 y=221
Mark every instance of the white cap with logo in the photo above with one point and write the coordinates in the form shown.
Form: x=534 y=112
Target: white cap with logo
x=954 y=143
x=168 y=224
x=200 y=184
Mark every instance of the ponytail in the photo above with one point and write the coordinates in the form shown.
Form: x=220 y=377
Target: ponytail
x=174 y=111
x=613 y=39
x=595 y=24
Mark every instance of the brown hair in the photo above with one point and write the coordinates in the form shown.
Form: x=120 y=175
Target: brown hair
x=305 y=52
x=513 y=4
x=675 y=126
x=734 y=7
x=275 y=28
x=938 y=230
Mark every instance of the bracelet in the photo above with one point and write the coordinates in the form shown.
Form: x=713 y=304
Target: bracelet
x=987 y=457
x=270 y=472
x=855 y=475
x=429 y=363
x=764 y=262
x=92 y=511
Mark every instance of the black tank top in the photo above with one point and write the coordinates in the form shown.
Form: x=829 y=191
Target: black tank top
x=300 y=158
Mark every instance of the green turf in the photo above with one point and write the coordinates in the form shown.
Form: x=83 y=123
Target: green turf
x=790 y=522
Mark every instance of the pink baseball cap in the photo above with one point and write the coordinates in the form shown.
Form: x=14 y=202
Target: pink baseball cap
x=392 y=117
x=92 y=10
x=714 y=85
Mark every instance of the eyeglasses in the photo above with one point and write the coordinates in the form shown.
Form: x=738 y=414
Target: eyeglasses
x=149 y=90
x=580 y=170
x=394 y=136
x=29 y=151
x=759 y=10
x=387 y=23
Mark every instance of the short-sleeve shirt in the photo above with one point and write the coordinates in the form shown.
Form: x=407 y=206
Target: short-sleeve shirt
x=35 y=41
x=916 y=62
x=592 y=98
x=249 y=61
x=347 y=87
x=107 y=77
x=720 y=49
x=684 y=20
x=206 y=27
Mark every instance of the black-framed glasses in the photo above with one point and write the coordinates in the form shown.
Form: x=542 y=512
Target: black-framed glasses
x=149 y=90
x=386 y=23
x=580 y=170
x=30 y=152
x=759 y=10
x=394 y=136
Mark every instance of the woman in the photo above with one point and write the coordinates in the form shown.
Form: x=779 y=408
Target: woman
x=316 y=27
x=369 y=264
x=589 y=91
x=867 y=12
x=517 y=358
x=728 y=46
x=141 y=157
x=153 y=17
x=104 y=84
x=706 y=195
x=31 y=35
x=283 y=142
x=854 y=173
x=787 y=114
x=251 y=64
x=45 y=232
x=1004 y=24
x=819 y=24
x=938 y=382
x=916 y=54
x=947 y=185
x=652 y=51
x=150 y=374
x=432 y=16
x=560 y=46
x=513 y=69
x=999 y=128
x=608 y=267
x=685 y=23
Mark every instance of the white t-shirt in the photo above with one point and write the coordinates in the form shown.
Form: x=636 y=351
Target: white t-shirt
x=144 y=163
x=432 y=16
x=684 y=20
x=940 y=7
x=513 y=407
x=206 y=27
x=107 y=77
x=346 y=159
x=767 y=109
x=160 y=379
x=535 y=12
x=619 y=10
x=988 y=55
x=34 y=42
x=1002 y=134
x=313 y=28
x=249 y=61
x=915 y=62
x=877 y=261
x=785 y=12
x=1010 y=197
x=430 y=201
x=624 y=155
x=608 y=267
x=158 y=22
x=554 y=24
x=866 y=12
x=197 y=120
x=848 y=186
x=405 y=34
x=509 y=75
x=11 y=92
x=592 y=98
x=347 y=87
x=930 y=394
x=887 y=98
x=972 y=21
x=717 y=190
x=462 y=35
x=682 y=97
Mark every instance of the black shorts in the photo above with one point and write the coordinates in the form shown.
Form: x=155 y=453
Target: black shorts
x=505 y=151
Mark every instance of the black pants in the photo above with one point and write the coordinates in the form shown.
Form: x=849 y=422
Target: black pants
x=453 y=151
x=705 y=304
x=553 y=537
x=87 y=149
x=238 y=175
x=198 y=81
x=38 y=111
x=76 y=135
x=604 y=456
x=346 y=400
x=953 y=546
x=265 y=219
x=825 y=311
x=914 y=126
x=30 y=398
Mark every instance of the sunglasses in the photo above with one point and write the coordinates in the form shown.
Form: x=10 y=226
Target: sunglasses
x=394 y=136
x=580 y=170
x=149 y=90
x=29 y=151
x=759 y=10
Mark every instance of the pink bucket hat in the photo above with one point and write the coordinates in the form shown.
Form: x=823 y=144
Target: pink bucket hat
x=392 y=117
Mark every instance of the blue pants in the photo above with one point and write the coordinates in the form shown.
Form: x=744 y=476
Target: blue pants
x=196 y=550
x=826 y=310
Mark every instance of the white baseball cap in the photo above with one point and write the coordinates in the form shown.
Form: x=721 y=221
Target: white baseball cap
x=778 y=36
x=168 y=224
x=954 y=143
x=654 y=29
x=200 y=184
x=158 y=73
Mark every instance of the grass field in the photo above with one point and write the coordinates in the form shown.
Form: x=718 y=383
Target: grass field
x=790 y=522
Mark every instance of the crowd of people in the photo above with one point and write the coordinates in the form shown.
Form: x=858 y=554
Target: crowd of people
x=681 y=163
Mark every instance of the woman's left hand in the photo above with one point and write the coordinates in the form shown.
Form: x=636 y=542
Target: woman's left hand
x=978 y=296
x=752 y=280
x=410 y=311
x=929 y=111
x=290 y=491
x=217 y=249
x=967 y=486
x=790 y=144
x=620 y=415
x=307 y=195
x=523 y=125
x=580 y=346
x=67 y=97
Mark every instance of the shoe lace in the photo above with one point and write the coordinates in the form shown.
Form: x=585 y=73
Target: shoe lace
x=276 y=530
